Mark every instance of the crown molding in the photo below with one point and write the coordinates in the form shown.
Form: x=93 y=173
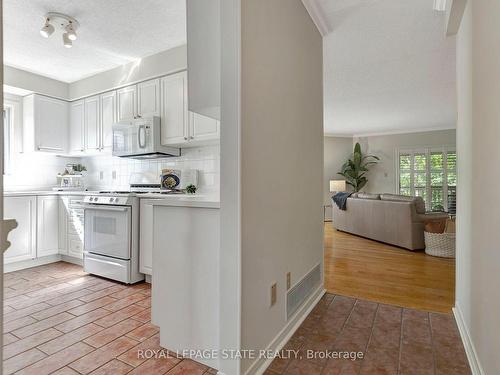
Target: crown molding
x=318 y=16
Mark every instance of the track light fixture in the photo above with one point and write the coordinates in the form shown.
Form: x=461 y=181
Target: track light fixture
x=67 y=24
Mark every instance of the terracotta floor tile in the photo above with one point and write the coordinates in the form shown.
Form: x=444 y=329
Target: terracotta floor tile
x=144 y=316
x=102 y=293
x=143 y=332
x=68 y=297
x=124 y=302
x=69 y=338
x=9 y=338
x=99 y=357
x=18 y=323
x=119 y=315
x=146 y=303
x=42 y=325
x=362 y=315
x=188 y=367
x=30 y=342
x=82 y=320
x=155 y=366
x=133 y=357
x=415 y=356
x=56 y=361
x=92 y=305
x=65 y=371
x=109 y=334
x=342 y=366
x=24 y=312
x=114 y=367
x=22 y=360
x=302 y=367
x=54 y=310
x=380 y=361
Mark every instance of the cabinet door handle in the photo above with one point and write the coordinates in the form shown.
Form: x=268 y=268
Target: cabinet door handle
x=185 y=138
x=49 y=148
x=191 y=137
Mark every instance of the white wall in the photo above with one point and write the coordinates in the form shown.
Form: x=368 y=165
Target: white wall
x=382 y=177
x=479 y=118
x=336 y=151
x=166 y=62
x=281 y=160
x=205 y=159
x=34 y=82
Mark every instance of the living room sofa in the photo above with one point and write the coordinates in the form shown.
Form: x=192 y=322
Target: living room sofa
x=394 y=219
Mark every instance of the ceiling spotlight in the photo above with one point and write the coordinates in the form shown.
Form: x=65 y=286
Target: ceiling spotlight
x=47 y=29
x=67 y=41
x=68 y=25
x=71 y=31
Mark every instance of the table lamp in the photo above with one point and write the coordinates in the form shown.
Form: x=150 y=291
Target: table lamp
x=337 y=185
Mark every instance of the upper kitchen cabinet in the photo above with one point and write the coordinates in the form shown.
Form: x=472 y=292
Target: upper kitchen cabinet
x=45 y=123
x=203 y=56
x=148 y=98
x=92 y=124
x=108 y=118
x=76 y=127
x=203 y=128
x=126 y=101
x=174 y=114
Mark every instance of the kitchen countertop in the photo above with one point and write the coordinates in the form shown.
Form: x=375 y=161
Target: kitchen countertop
x=155 y=199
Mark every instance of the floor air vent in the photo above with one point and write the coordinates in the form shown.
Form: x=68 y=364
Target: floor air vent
x=302 y=290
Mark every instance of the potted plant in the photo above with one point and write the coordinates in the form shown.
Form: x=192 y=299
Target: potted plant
x=355 y=168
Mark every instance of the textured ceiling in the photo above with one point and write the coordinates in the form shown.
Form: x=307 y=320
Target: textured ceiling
x=388 y=67
x=111 y=33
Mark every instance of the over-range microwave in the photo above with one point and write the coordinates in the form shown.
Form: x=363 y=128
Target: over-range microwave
x=140 y=139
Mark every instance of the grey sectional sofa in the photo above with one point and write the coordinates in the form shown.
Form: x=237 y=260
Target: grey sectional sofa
x=394 y=219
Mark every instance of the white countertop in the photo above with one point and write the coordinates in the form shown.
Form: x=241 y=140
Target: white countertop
x=178 y=200
x=182 y=200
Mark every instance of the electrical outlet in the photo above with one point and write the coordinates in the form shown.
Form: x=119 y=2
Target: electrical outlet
x=113 y=175
x=273 y=294
x=288 y=280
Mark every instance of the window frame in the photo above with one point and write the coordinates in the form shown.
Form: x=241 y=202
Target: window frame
x=445 y=149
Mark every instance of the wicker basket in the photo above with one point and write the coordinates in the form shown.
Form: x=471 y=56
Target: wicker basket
x=440 y=244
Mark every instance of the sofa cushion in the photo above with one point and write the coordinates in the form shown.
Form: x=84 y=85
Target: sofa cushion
x=418 y=201
x=368 y=196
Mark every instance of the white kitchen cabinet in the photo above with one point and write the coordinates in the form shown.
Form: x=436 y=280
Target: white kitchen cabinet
x=203 y=56
x=146 y=239
x=47 y=241
x=174 y=115
x=203 y=128
x=92 y=124
x=75 y=226
x=45 y=124
x=126 y=101
x=76 y=127
x=63 y=225
x=148 y=98
x=186 y=259
x=23 y=238
x=108 y=118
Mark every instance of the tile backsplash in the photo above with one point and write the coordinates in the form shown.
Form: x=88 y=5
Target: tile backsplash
x=107 y=172
x=38 y=171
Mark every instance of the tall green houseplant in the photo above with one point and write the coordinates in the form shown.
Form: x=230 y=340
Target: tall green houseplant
x=354 y=169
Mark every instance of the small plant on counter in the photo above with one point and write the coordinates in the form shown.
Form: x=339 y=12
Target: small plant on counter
x=191 y=189
x=79 y=168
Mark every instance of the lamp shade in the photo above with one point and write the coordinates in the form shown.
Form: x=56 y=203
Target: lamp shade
x=337 y=185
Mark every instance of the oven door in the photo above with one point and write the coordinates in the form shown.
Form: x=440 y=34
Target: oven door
x=107 y=230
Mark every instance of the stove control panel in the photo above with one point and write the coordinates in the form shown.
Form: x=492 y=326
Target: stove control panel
x=106 y=199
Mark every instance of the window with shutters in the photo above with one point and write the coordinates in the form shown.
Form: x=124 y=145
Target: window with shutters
x=430 y=173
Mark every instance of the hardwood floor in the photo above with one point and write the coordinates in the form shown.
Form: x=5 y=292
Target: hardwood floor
x=362 y=268
x=60 y=320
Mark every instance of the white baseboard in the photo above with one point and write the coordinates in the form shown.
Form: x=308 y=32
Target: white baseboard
x=259 y=366
x=17 y=266
x=470 y=350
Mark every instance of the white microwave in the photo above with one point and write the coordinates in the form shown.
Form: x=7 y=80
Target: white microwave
x=140 y=139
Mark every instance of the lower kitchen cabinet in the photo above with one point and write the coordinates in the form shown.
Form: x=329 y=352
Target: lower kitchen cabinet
x=146 y=239
x=71 y=224
x=23 y=238
x=47 y=225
